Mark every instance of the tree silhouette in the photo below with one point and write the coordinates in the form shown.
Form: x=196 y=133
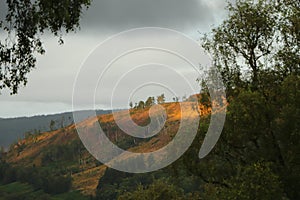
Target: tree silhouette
x=25 y=21
x=253 y=36
x=149 y=102
x=161 y=99
x=141 y=105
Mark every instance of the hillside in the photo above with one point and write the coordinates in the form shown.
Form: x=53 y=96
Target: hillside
x=10 y=133
x=62 y=149
x=248 y=161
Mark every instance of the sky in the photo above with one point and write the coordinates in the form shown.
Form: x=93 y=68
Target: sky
x=51 y=84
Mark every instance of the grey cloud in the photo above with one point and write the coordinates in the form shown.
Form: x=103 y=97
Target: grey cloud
x=177 y=14
x=51 y=83
x=117 y=15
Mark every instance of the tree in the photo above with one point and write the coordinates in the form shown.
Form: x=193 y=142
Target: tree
x=288 y=56
x=131 y=104
x=256 y=181
x=25 y=21
x=257 y=36
x=52 y=125
x=257 y=51
x=160 y=189
x=243 y=41
x=141 y=105
x=57 y=184
x=161 y=99
x=175 y=99
x=149 y=102
x=62 y=125
x=2 y=151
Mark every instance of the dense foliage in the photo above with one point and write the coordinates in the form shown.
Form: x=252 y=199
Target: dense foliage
x=40 y=179
x=257 y=157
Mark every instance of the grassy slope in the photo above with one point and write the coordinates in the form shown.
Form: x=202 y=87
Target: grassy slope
x=30 y=151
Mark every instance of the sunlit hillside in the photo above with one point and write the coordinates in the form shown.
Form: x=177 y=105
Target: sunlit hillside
x=49 y=149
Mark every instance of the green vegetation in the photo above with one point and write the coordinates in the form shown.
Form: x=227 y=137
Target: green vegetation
x=48 y=181
x=157 y=190
x=23 y=191
x=257 y=157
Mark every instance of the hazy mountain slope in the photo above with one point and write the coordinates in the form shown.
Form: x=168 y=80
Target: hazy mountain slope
x=12 y=129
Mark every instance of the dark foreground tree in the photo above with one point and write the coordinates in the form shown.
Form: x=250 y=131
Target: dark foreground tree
x=23 y=25
x=257 y=51
x=256 y=36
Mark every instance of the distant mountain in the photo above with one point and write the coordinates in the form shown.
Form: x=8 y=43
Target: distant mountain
x=12 y=129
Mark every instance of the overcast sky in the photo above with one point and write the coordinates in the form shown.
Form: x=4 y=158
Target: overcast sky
x=50 y=85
